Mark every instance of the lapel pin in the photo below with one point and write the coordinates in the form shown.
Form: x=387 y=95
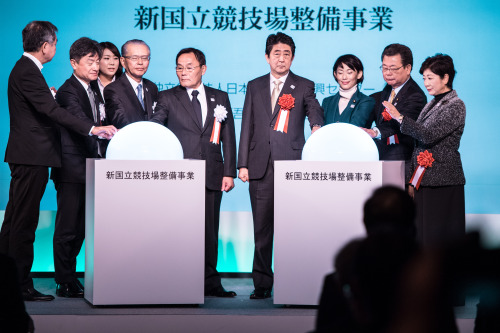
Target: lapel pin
x=292 y=86
x=212 y=99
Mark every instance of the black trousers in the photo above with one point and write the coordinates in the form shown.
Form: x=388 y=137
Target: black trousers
x=69 y=231
x=212 y=214
x=17 y=236
x=262 y=200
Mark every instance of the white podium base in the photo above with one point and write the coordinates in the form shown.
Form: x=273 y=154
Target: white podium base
x=145 y=232
x=318 y=208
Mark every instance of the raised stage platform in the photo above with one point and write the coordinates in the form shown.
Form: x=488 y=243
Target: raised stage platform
x=218 y=315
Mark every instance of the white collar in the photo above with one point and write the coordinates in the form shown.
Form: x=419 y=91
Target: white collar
x=85 y=85
x=282 y=79
x=34 y=59
x=396 y=90
x=201 y=90
x=134 y=83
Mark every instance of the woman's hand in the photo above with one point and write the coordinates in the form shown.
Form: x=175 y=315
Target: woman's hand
x=391 y=109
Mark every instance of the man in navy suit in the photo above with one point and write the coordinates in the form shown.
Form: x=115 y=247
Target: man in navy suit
x=202 y=120
x=268 y=134
x=131 y=97
x=33 y=147
x=404 y=93
x=78 y=98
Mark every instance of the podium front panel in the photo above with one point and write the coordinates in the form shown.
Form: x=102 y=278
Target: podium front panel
x=145 y=232
x=318 y=208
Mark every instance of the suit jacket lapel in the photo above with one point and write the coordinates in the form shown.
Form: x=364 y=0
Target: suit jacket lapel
x=84 y=97
x=182 y=96
x=211 y=104
x=147 y=101
x=386 y=94
x=265 y=94
x=334 y=104
x=132 y=95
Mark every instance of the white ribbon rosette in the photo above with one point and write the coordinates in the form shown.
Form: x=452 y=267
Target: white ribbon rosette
x=102 y=112
x=220 y=114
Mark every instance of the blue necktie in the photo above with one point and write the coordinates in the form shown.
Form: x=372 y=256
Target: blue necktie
x=139 y=94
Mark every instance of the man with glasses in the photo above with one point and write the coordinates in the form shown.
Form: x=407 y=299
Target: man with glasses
x=131 y=98
x=202 y=120
x=405 y=94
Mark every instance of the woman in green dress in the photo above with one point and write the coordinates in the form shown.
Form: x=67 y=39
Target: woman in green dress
x=349 y=105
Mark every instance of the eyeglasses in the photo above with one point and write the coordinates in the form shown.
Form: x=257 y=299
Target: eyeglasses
x=136 y=58
x=390 y=70
x=189 y=69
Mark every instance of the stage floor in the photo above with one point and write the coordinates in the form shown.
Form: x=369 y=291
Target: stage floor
x=239 y=314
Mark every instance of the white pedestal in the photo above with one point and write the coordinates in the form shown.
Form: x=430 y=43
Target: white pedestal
x=318 y=208
x=145 y=232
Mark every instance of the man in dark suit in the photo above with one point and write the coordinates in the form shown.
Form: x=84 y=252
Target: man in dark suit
x=33 y=147
x=131 y=98
x=202 y=120
x=271 y=131
x=78 y=98
x=404 y=93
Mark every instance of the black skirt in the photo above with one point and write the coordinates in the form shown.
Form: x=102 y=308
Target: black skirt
x=440 y=214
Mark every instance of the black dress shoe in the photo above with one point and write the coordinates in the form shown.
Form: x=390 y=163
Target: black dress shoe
x=260 y=294
x=71 y=290
x=79 y=284
x=31 y=294
x=220 y=292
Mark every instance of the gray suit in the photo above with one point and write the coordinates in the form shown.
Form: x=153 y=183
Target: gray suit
x=440 y=199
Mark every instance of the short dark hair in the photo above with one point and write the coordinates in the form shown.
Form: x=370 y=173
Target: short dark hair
x=112 y=47
x=440 y=64
x=279 y=38
x=389 y=210
x=403 y=50
x=351 y=61
x=199 y=55
x=133 y=41
x=83 y=46
x=36 y=33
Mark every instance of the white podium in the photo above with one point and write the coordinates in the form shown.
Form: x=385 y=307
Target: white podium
x=318 y=208
x=145 y=232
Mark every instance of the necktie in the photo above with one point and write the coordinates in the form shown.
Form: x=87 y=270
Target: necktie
x=275 y=94
x=92 y=103
x=139 y=94
x=97 y=118
x=393 y=94
x=196 y=106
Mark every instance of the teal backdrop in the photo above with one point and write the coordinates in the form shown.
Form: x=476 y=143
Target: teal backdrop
x=232 y=34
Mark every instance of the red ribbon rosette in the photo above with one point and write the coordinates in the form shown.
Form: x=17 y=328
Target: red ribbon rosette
x=386 y=115
x=286 y=103
x=425 y=161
